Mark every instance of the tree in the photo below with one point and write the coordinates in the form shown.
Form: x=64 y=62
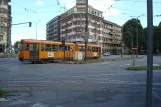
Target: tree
x=16 y=46
x=131 y=29
x=156 y=38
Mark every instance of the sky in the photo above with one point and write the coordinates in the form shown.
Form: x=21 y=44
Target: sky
x=41 y=11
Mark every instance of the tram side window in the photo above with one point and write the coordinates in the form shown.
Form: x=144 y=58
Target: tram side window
x=21 y=46
x=93 y=49
x=42 y=47
x=61 y=48
x=25 y=47
x=89 y=49
x=67 y=48
x=81 y=48
x=96 y=49
x=47 y=47
x=54 y=47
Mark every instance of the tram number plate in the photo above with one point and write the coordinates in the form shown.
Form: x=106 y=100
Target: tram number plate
x=50 y=54
x=94 y=54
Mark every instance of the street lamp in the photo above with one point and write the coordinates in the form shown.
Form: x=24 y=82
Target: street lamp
x=36 y=27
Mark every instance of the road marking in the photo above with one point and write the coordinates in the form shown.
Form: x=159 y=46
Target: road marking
x=3 y=99
x=83 y=76
x=156 y=95
x=105 y=63
x=39 y=105
x=18 y=102
x=158 y=89
x=126 y=82
x=125 y=64
x=108 y=81
x=158 y=61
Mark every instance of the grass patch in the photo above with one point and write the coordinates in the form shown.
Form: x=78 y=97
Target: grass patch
x=5 y=94
x=143 y=67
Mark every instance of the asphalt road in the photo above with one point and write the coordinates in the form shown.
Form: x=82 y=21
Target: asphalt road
x=106 y=84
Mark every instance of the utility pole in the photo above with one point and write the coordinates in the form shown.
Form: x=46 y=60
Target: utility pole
x=122 y=42
x=86 y=30
x=66 y=32
x=36 y=30
x=95 y=31
x=137 y=42
x=137 y=52
x=149 y=53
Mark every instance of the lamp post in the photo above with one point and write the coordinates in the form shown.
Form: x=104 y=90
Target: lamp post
x=36 y=30
x=36 y=27
x=86 y=30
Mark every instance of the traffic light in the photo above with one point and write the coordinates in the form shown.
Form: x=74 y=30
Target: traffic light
x=30 y=24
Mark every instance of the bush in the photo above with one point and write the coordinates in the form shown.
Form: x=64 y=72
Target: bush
x=2 y=93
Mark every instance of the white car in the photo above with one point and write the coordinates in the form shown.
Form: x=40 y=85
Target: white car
x=107 y=54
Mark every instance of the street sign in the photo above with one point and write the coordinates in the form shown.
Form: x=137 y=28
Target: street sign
x=134 y=47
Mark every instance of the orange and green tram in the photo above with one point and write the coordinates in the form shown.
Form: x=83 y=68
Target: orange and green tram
x=46 y=51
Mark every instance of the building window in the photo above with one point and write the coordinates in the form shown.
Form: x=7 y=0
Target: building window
x=1 y=10
x=2 y=19
x=2 y=29
x=80 y=9
x=1 y=37
x=1 y=1
x=80 y=1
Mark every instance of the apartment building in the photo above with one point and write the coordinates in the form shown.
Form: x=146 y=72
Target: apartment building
x=5 y=26
x=73 y=22
x=53 y=29
x=112 y=37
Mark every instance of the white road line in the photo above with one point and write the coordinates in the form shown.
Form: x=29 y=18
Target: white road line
x=158 y=61
x=156 y=95
x=109 y=81
x=158 y=89
x=126 y=82
x=86 y=76
x=39 y=105
x=125 y=64
x=125 y=73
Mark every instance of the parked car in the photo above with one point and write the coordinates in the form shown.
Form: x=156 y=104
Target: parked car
x=107 y=54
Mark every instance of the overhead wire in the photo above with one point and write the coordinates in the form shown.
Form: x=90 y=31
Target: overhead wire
x=34 y=10
x=108 y=8
x=26 y=9
x=137 y=1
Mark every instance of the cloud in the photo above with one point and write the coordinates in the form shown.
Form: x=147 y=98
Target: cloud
x=39 y=2
x=102 y=5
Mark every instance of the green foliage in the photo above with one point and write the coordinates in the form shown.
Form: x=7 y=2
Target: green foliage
x=156 y=38
x=9 y=56
x=131 y=29
x=16 y=45
x=2 y=93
